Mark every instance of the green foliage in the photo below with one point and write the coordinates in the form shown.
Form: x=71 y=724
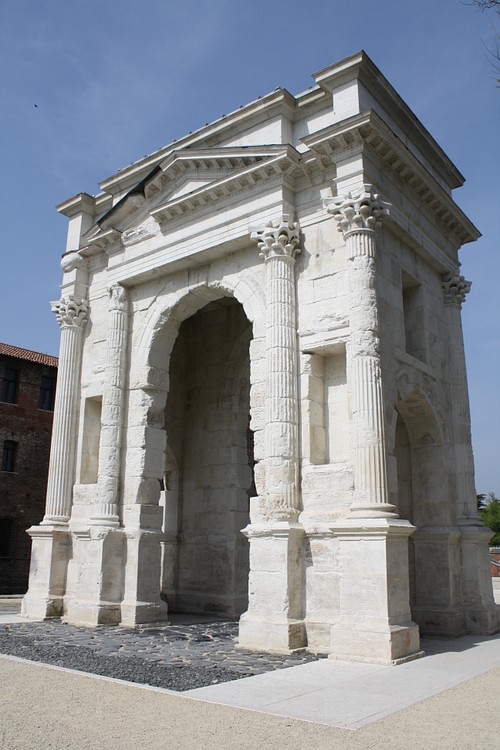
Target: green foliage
x=489 y=512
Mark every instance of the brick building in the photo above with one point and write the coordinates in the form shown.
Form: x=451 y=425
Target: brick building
x=27 y=387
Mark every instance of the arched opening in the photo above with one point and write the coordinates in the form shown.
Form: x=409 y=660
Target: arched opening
x=423 y=498
x=208 y=473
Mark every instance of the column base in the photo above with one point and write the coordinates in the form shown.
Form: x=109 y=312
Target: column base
x=375 y=623
x=391 y=645
x=274 y=620
x=485 y=621
x=144 y=613
x=322 y=583
x=437 y=602
x=98 y=551
x=47 y=581
x=482 y=614
x=41 y=608
x=285 y=637
x=142 y=603
x=91 y=615
x=445 y=623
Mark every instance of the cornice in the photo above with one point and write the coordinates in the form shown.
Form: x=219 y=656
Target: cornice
x=285 y=161
x=362 y=68
x=279 y=101
x=207 y=162
x=80 y=203
x=369 y=129
x=101 y=242
x=282 y=165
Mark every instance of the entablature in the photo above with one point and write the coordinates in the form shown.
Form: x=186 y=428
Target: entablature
x=234 y=175
x=368 y=130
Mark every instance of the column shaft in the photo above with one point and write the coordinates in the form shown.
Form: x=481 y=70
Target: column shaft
x=358 y=218
x=105 y=511
x=278 y=245
x=281 y=403
x=455 y=288
x=71 y=315
x=275 y=617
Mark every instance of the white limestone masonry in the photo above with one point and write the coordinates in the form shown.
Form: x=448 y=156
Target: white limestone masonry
x=284 y=437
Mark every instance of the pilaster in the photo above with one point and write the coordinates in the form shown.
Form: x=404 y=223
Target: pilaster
x=455 y=289
x=274 y=620
x=105 y=511
x=481 y=613
x=99 y=588
x=142 y=603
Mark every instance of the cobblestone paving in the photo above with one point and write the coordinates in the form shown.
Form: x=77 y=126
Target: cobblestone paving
x=177 y=656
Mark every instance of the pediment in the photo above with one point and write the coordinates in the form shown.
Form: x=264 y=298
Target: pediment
x=186 y=180
x=188 y=170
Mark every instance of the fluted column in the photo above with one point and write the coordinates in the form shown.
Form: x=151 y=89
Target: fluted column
x=358 y=216
x=455 y=287
x=71 y=314
x=105 y=511
x=274 y=620
x=374 y=622
x=278 y=244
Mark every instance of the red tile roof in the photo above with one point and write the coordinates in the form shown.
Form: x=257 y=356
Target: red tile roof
x=26 y=354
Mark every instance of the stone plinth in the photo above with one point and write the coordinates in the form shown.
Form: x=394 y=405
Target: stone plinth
x=274 y=620
x=47 y=583
x=375 y=622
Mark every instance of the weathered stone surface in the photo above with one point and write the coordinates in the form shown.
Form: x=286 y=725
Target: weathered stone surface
x=267 y=338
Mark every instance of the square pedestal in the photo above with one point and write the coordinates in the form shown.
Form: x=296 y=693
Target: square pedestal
x=274 y=620
x=50 y=549
x=375 y=623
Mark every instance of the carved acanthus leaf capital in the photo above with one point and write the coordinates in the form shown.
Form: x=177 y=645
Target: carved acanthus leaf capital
x=70 y=311
x=280 y=238
x=117 y=297
x=359 y=210
x=455 y=287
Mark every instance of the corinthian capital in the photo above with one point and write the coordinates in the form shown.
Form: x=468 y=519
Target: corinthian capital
x=117 y=297
x=455 y=288
x=70 y=311
x=358 y=210
x=280 y=238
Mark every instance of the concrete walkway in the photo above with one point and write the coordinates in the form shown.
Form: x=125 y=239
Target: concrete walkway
x=448 y=699
x=46 y=707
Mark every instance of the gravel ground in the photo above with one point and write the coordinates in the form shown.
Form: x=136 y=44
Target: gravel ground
x=176 y=657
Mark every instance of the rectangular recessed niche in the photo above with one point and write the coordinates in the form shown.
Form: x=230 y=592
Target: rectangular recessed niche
x=91 y=439
x=328 y=409
x=414 y=317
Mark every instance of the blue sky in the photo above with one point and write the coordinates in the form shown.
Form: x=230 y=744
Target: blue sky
x=114 y=80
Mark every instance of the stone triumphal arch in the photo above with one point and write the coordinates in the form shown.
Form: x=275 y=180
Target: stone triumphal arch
x=262 y=403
